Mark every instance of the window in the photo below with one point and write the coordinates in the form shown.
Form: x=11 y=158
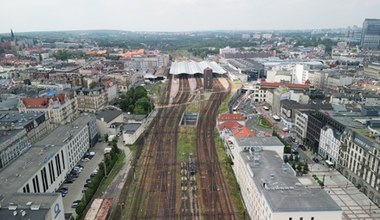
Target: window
x=312 y=218
x=301 y=218
x=290 y=218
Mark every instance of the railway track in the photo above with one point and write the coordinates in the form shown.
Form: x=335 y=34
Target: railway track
x=155 y=197
x=215 y=201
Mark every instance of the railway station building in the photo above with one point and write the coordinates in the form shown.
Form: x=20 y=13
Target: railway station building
x=192 y=68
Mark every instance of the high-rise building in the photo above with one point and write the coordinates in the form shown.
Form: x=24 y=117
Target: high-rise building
x=371 y=34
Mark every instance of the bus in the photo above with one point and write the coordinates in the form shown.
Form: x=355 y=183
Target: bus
x=276 y=118
x=266 y=108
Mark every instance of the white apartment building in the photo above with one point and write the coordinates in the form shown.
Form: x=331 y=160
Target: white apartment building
x=329 y=144
x=270 y=189
x=60 y=109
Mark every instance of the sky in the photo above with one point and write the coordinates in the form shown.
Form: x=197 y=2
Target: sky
x=183 y=15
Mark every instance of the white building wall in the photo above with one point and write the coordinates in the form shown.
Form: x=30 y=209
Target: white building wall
x=58 y=178
x=301 y=120
x=111 y=93
x=323 y=215
x=130 y=139
x=329 y=146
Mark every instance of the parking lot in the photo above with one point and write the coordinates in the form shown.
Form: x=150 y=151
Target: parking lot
x=75 y=188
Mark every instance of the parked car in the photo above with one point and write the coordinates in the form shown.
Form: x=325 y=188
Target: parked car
x=86 y=185
x=75 y=204
x=92 y=153
x=69 y=180
x=295 y=152
x=315 y=160
x=86 y=159
x=88 y=181
x=302 y=147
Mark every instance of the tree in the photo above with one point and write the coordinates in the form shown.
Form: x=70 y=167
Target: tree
x=286 y=158
x=305 y=168
x=93 y=85
x=299 y=167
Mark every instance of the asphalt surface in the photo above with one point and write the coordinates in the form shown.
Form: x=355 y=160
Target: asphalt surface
x=75 y=188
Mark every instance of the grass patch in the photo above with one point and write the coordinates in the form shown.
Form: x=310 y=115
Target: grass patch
x=133 y=149
x=186 y=142
x=224 y=106
x=193 y=107
x=263 y=122
x=229 y=176
x=131 y=194
x=236 y=85
x=110 y=176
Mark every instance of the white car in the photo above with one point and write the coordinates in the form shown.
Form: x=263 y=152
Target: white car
x=86 y=159
x=92 y=153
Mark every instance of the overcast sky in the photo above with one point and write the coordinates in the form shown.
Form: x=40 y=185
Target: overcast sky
x=183 y=15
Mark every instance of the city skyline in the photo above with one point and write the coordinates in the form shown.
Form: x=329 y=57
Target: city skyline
x=184 y=15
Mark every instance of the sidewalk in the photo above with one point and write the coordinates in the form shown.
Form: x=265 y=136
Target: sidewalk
x=355 y=205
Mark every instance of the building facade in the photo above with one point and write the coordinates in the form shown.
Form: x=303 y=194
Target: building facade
x=91 y=100
x=371 y=34
x=301 y=121
x=329 y=145
x=360 y=163
x=39 y=172
x=60 y=109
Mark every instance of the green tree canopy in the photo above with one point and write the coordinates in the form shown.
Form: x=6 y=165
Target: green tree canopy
x=136 y=101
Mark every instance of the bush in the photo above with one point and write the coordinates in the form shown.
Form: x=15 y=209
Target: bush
x=287 y=150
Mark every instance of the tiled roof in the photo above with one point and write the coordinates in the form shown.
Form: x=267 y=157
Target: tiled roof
x=237 y=130
x=42 y=102
x=231 y=117
x=242 y=132
x=229 y=125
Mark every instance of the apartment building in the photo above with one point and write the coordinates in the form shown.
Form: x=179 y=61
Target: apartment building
x=91 y=100
x=60 y=108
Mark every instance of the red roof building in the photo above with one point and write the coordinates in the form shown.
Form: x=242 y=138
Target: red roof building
x=60 y=108
x=240 y=118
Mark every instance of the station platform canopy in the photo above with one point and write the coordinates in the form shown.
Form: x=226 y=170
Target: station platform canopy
x=192 y=68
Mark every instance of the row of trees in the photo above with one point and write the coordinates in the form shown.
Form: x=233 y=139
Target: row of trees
x=109 y=161
x=136 y=101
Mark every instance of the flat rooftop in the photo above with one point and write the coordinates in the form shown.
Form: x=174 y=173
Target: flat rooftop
x=60 y=135
x=259 y=141
x=108 y=114
x=18 y=119
x=281 y=185
x=18 y=202
x=7 y=135
x=131 y=128
x=16 y=174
